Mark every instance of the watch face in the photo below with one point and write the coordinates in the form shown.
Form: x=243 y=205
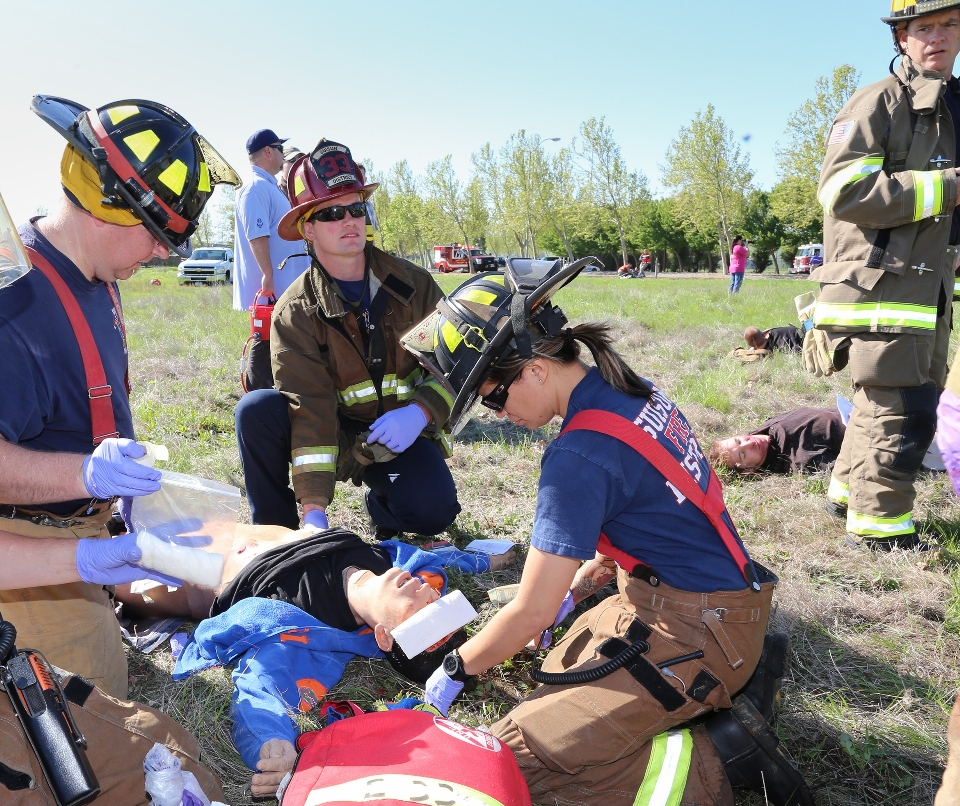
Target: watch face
x=450 y=665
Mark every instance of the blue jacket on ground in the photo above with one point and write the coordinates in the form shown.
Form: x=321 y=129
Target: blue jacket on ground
x=286 y=659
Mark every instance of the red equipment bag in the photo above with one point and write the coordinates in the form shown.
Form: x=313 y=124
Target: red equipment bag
x=260 y=315
x=396 y=758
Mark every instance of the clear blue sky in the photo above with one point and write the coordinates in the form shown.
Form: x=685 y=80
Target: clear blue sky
x=418 y=80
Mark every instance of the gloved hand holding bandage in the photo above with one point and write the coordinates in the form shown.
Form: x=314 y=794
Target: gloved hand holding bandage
x=204 y=568
x=398 y=429
x=110 y=470
x=116 y=561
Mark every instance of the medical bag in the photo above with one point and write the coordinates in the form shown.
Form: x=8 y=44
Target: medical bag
x=260 y=315
x=400 y=757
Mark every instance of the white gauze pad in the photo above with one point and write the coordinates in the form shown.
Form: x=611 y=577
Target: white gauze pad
x=434 y=623
x=202 y=568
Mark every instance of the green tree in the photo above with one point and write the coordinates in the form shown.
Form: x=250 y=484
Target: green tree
x=658 y=229
x=611 y=186
x=710 y=176
x=763 y=229
x=491 y=176
x=794 y=198
x=526 y=183
x=447 y=198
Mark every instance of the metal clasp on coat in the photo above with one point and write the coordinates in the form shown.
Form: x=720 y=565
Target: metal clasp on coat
x=718 y=612
x=921 y=268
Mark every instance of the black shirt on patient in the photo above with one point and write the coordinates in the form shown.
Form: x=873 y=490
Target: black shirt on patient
x=307 y=574
x=802 y=439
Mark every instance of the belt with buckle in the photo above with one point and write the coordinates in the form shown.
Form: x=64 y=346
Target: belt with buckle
x=12 y=512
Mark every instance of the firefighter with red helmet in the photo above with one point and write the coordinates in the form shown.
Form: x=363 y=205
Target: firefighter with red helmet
x=135 y=179
x=889 y=191
x=349 y=402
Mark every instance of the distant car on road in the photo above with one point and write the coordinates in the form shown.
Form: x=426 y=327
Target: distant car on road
x=208 y=264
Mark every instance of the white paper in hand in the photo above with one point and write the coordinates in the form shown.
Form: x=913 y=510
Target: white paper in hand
x=435 y=622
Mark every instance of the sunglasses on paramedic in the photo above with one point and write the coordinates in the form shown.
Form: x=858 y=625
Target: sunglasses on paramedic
x=339 y=211
x=497 y=399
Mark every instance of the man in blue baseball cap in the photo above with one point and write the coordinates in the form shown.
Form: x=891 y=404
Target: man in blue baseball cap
x=259 y=250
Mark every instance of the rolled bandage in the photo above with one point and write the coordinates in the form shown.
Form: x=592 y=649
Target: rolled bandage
x=153 y=453
x=200 y=567
x=434 y=623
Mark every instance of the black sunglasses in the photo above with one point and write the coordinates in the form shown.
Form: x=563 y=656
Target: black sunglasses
x=339 y=211
x=497 y=399
x=278 y=146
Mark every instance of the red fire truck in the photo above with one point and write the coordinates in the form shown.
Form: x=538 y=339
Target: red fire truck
x=461 y=258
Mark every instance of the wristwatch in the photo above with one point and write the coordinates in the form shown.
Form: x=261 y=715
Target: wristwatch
x=453 y=668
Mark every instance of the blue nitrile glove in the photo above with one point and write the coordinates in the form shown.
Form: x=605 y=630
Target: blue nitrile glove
x=948 y=435
x=566 y=608
x=125 y=508
x=441 y=691
x=316 y=519
x=398 y=429
x=113 y=561
x=108 y=472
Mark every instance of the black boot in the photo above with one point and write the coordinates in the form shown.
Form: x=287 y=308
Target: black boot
x=374 y=529
x=763 y=687
x=837 y=510
x=749 y=750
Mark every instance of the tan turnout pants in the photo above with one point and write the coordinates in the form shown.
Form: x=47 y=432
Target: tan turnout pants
x=73 y=625
x=118 y=735
x=589 y=744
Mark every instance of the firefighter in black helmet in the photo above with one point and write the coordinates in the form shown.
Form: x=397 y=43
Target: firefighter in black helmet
x=135 y=178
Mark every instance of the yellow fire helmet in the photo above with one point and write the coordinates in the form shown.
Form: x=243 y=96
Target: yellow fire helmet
x=14 y=262
x=906 y=10
x=487 y=318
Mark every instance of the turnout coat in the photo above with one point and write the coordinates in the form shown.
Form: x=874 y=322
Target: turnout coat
x=888 y=188
x=320 y=365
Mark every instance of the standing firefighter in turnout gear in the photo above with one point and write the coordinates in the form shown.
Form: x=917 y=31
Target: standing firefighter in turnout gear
x=891 y=233
x=135 y=179
x=350 y=402
x=625 y=484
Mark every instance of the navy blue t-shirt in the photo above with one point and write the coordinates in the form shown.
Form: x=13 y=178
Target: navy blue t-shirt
x=43 y=403
x=592 y=483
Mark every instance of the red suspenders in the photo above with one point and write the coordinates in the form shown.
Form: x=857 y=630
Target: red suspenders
x=709 y=503
x=98 y=390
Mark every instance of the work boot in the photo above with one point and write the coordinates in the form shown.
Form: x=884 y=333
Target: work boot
x=909 y=542
x=763 y=687
x=373 y=528
x=751 y=757
x=835 y=509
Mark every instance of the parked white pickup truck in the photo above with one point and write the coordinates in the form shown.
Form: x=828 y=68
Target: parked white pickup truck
x=208 y=264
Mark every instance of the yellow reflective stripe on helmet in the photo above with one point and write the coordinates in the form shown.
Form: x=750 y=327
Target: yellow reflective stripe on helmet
x=358 y=393
x=928 y=194
x=870 y=526
x=298 y=186
x=438 y=388
x=118 y=114
x=495 y=278
x=845 y=176
x=402 y=788
x=315 y=460
x=667 y=769
x=203 y=183
x=838 y=492
x=174 y=176
x=875 y=314
x=142 y=143
x=450 y=335
x=477 y=295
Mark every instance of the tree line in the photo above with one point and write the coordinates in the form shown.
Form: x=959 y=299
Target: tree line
x=584 y=199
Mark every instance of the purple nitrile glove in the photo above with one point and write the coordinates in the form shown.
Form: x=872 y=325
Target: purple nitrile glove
x=113 y=561
x=398 y=429
x=316 y=519
x=441 y=691
x=125 y=508
x=948 y=435
x=108 y=471
x=566 y=608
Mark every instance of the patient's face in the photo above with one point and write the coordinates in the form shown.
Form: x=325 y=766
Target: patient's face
x=396 y=596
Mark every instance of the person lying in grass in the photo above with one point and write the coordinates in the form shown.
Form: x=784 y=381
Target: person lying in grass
x=295 y=615
x=803 y=439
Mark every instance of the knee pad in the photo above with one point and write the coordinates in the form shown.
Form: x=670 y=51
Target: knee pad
x=919 y=426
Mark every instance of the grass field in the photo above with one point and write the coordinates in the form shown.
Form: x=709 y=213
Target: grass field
x=875 y=637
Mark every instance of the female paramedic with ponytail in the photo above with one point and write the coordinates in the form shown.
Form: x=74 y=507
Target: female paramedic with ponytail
x=626 y=482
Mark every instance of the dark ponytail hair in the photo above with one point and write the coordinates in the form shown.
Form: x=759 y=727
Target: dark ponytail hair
x=562 y=348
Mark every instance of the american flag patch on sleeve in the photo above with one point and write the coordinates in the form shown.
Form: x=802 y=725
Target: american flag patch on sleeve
x=839 y=133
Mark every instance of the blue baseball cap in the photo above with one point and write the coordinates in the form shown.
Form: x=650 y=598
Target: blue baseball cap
x=263 y=138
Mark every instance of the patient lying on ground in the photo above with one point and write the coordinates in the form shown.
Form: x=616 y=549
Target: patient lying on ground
x=292 y=617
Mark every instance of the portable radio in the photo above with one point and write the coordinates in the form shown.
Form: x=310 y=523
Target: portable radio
x=260 y=314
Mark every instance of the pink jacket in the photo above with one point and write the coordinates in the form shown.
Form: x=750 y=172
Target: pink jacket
x=738 y=259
